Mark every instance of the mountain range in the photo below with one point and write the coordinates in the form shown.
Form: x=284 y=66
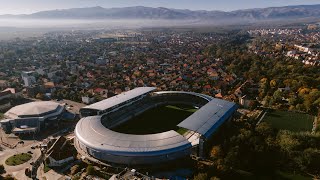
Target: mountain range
x=141 y=12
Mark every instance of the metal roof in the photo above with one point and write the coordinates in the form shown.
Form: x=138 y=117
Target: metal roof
x=203 y=96
x=118 y=99
x=209 y=117
x=93 y=134
x=33 y=109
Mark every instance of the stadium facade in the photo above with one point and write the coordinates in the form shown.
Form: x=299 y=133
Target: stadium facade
x=95 y=140
x=31 y=117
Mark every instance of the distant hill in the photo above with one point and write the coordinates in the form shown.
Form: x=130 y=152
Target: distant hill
x=140 y=12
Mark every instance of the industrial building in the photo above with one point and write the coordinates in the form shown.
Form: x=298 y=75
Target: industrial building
x=95 y=140
x=31 y=117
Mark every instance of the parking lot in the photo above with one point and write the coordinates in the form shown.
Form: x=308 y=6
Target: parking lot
x=71 y=106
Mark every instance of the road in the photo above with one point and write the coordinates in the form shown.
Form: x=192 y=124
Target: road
x=18 y=171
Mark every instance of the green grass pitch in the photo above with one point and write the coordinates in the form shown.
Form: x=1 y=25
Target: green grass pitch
x=157 y=120
x=289 y=120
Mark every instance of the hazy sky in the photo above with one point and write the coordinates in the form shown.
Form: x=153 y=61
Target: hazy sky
x=30 y=6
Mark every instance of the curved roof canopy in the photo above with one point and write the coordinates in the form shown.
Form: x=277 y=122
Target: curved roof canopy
x=93 y=134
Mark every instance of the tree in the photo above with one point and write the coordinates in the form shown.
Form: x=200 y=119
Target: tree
x=9 y=177
x=312 y=159
x=40 y=96
x=264 y=87
x=293 y=101
x=267 y=101
x=300 y=107
x=277 y=96
x=90 y=170
x=264 y=129
x=273 y=83
x=215 y=152
x=2 y=170
x=286 y=141
x=201 y=176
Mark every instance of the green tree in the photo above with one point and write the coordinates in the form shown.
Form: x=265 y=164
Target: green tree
x=293 y=101
x=264 y=129
x=287 y=141
x=90 y=170
x=277 y=95
x=9 y=177
x=2 y=170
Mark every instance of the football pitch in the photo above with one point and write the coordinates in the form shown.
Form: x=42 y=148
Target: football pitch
x=157 y=120
x=289 y=120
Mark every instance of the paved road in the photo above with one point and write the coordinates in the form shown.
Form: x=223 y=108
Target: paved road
x=18 y=171
x=52 y=175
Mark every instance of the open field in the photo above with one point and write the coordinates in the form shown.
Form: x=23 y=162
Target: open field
x=157 y=120
x=291 y=176
x=289 y=120
x=281 y=175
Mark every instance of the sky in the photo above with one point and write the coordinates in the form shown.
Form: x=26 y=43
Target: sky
x=31 y=6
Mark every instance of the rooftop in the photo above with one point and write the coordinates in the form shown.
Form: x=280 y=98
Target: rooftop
x=209 y=117
x=118 y=99
x=95 y=135
x=32 y=109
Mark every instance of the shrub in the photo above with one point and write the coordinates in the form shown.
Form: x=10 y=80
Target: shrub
x=2 y=170
x=8 y=177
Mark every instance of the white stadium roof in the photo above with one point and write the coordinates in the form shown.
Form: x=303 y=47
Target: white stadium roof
x=118 y=99
x=209 y=117
x=105 y=144
x=91 y=132
x=32 y=109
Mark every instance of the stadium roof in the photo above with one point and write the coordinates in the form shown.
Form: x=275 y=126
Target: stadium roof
x=209 y=117
x=204 y=96
x=32 y=109
x=118 y=99
x=92 y=133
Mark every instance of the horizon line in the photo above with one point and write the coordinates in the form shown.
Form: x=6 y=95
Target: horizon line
x=13 y=14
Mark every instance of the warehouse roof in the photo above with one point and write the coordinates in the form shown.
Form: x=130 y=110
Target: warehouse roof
x=118 y=99
x=93 y=134
x=209 y=117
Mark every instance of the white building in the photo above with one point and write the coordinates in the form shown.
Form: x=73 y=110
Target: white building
x=88 y=100
x=32 y=117
x=28 y=78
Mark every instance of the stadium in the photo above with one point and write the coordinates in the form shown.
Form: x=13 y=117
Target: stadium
x=31 y=117
x=111 y=131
